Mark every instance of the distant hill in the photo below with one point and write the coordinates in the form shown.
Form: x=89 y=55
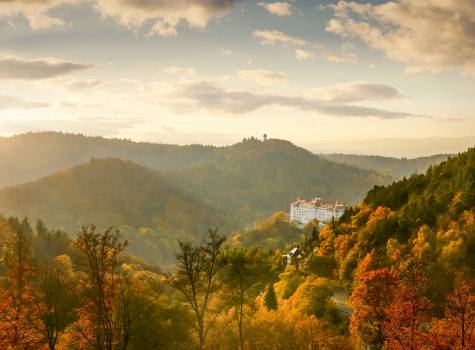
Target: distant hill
x=252 y=179
x=27 y=157
x=395 y=167
x=111 y=192
x=247 y=181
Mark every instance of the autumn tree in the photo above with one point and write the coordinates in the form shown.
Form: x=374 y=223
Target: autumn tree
x=53 y=297
x=104 y=318
x=17 y=315
x=457 y=329
x=373 y=293
x=197 y=269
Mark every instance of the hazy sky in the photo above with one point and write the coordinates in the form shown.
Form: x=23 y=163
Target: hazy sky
x=214 y=71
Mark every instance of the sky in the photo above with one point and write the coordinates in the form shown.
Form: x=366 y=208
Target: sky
x=322 y=74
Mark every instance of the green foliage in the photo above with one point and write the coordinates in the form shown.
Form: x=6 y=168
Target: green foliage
x=270 y=298
x=396 y=167
x=272 y=233
x=313 y=296
x=289 y=281
x=257 y=178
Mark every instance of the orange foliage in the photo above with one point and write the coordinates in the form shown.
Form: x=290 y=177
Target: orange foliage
x=374 y=292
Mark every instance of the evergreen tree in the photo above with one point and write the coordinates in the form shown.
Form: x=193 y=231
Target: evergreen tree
x=270 y=299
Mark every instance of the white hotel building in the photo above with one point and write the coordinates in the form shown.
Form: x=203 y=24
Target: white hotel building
x=303 y=211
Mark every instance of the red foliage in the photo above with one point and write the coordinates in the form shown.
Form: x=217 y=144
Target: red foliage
x=372 y=295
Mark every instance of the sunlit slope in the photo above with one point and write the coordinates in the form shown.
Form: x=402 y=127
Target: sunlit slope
x=30 y=156
x=253 y=179
x=110 y=192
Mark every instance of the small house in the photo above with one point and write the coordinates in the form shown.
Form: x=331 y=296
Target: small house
x=293 y=257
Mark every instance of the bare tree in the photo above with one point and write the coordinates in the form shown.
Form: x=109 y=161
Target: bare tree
x=197 y=268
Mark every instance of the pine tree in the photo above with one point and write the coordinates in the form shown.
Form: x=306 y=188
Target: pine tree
x=270 y=299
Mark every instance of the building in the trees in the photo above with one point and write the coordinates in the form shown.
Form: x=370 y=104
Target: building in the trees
x=293 y=257
x=302 y=211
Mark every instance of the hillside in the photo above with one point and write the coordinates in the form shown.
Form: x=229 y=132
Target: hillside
x=31 y=156
x=395 y=167
x=434 y=211
x=253 y=179
x=110 y=192
x=248 y=180
x=407 y=258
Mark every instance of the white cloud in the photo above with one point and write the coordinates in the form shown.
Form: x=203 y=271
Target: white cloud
x=14 y=67
x=281 y=9
x=15 y=102
x=164 y=15
x=262 y=77
x=189 y=96
x=427 y=35
x=302 y=55
x=340 y=56
x=36 y=12
x=226 y=51
x=274 y=37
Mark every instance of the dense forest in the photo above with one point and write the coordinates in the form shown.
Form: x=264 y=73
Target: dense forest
x=404 y=257
x=395 y=167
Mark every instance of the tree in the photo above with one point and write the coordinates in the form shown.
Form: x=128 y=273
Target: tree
x=374 y=292
x=53 y=297
x=313 y=295
x=407 y=316
x=289 y=281
x=17 y=318
x=270 y=299
x=238 y=278
x=197 y=268
x=457 y=329
x=104 y=318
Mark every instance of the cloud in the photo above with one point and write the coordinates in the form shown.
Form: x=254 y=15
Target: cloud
x=80 y=85
x=262 y=77
x=203 y=95
x=335 y=56
x=13 y=67
x=357 y=91
x=302 y=55
x=36 y=12
x=281 y=9
x=273 y=37
x=429 y=35
x=164 y=15
x=15 y=102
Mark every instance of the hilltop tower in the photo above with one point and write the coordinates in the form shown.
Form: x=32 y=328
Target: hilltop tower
x=264 y=138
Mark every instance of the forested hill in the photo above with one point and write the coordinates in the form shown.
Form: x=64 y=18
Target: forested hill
x=253 y=179
x=446 y=189
x=27 y=157
x=250 y=179
x=111 y=192
x=433 y=211
x=395 y=167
